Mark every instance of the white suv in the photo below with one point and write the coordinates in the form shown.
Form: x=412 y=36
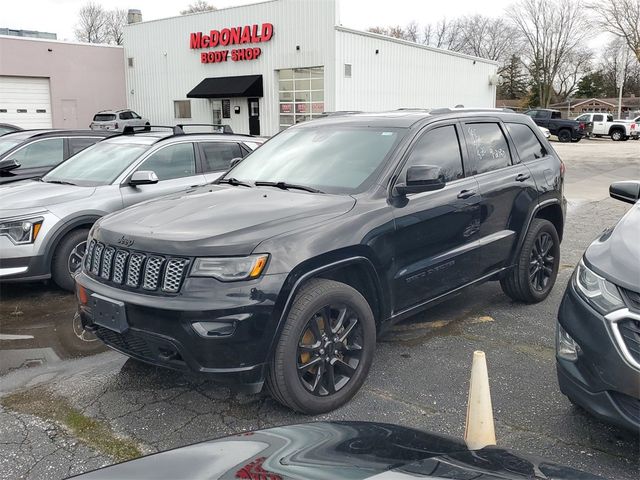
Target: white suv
x=117 y=120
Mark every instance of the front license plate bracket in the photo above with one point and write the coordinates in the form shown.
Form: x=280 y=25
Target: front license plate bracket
x=109 y=313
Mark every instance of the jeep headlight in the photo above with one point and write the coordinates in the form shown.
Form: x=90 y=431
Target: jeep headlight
x=229 y=269
x=22 y=231
x=597 y=291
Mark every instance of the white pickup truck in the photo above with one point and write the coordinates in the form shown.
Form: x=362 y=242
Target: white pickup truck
x=604 y=125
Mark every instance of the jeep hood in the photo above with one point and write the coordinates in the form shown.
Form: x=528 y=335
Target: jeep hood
x=31 y=195
x=218 y=219
x=616 y=253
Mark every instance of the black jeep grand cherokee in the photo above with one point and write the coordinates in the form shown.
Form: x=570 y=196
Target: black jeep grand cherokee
x=287 y=269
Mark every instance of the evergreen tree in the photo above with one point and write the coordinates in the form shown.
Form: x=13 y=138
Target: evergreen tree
x=514 y=84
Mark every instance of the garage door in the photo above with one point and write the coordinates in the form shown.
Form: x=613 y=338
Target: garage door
x=25 y=102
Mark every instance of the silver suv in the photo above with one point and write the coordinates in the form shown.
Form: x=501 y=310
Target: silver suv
x=44 y=223
x=117 y=120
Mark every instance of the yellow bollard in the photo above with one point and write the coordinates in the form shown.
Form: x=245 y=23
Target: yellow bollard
x=479 y=429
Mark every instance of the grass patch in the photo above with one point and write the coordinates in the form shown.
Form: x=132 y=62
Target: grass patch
x=43 y=403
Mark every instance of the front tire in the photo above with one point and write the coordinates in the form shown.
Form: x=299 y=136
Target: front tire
x=68 y=257
x=536 y=269
x=325 y=348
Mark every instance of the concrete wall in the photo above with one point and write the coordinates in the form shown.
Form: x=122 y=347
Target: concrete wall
x=92 y=75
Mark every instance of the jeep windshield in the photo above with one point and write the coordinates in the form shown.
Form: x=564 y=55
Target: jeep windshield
x=97 y=165
x=340 y=159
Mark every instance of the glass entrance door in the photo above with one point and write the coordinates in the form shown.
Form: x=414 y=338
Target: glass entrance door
x=216 y=109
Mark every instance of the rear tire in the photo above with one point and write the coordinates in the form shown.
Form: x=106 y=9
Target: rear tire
x=564 y=135
x=337 y=358
x=147 y=127
x=67 y=256
x=617 y=135
x=532 y=278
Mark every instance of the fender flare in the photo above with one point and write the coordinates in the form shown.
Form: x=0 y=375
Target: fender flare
x=59 y=233
x=308 y=274
x=532 y=215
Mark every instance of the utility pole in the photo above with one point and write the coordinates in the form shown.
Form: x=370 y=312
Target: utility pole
x=623 y=75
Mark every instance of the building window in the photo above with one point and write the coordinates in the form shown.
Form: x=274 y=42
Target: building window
x=22 y=110
x=301 y=95
x=41 y=110
x=182 y=108
x=130 y=61
x=347 y=70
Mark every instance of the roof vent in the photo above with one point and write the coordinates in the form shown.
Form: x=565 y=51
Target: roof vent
x=134 y=16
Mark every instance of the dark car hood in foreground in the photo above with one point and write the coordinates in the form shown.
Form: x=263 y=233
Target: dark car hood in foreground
x=616 y=253
x=335 y=451
x=218 y=220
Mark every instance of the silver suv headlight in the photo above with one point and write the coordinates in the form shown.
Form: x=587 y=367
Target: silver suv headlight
x=230 y=269
x=22 y=231
x=597 y=291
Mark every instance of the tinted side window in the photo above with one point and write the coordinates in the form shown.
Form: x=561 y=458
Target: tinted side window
x=218 y=155
x=40 y=154
x=174 y=161
x=487 y=146
x=439 y=147
x=598 y=118
x=528 y=146
x=77 y=144
x=126 y=116
x=583 y=118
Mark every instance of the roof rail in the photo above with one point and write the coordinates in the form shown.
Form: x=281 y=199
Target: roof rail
x=437 y=111
x=222 y=128
x=133 y=129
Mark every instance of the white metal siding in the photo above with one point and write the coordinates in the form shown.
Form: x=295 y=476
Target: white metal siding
x=405 y=75
x=166 y=69
x=25 y=93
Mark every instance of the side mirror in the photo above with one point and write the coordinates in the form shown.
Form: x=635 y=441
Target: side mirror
x=234 y=162
x=628 y=191
x=143 y=177
x=422 y=178
x=8 y=164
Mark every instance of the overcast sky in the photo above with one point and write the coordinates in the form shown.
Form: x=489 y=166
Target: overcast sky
x=59 y=16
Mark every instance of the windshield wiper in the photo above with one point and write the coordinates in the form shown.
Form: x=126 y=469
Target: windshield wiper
x=287 y=186
x=59 y=182
x=235 y=182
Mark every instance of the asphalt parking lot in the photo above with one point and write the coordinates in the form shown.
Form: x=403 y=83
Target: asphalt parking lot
x=67 y=405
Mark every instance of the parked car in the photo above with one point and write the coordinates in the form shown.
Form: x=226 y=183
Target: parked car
x=337 y=450
x=290 y=265
x=44 y=224
x=598 y=332
x=118 y=120
x=604 y=125
x=545 y=132
x=565 y=130
x=635 y=120
x=32 y=153
x=8 y=128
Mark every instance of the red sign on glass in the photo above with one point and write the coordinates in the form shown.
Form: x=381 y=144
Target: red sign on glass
x=317 y=107
x=301 y=108
x=285 y=108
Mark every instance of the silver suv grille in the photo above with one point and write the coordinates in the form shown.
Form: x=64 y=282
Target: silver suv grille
x=134 y=269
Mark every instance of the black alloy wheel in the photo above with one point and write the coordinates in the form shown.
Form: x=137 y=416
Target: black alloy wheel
x=536 y=267
x=325 y=348
x=541 y=262
x=329 y=350
x=564 y=135
x=75 y=258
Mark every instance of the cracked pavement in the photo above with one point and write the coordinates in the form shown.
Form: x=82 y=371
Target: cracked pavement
x=419 y=377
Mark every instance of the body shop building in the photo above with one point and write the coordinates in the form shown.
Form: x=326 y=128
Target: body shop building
x=263 y=67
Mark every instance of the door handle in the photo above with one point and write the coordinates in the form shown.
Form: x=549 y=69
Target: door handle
x=466 y=194
x=522 y=177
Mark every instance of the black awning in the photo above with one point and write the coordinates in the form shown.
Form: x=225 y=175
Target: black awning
x=225 y=87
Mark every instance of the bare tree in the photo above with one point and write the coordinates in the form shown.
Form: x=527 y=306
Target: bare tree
x=577 y=65
x=92 y=22
x=553 y=31
x=621 y=18
x=116 y=20
x=491 y=38
x=198 y=6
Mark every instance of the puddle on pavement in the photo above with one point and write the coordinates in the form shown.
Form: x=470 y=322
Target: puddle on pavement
x=39 y=325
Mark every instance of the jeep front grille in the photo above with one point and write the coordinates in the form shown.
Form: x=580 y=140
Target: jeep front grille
x=135 y=269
